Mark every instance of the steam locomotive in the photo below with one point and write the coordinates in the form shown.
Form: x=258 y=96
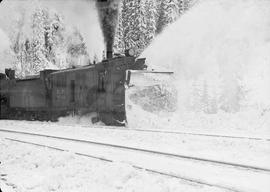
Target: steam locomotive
x=96 y=88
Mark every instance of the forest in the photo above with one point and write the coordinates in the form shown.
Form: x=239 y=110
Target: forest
x=50 y=42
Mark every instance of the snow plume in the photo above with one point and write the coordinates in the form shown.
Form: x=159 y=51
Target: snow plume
x=108 y=13
x=220 y=53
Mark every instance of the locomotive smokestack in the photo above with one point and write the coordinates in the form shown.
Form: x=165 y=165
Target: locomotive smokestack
x=108 y=15
x=109 y=51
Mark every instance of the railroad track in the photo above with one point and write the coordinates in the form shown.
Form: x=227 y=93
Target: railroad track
x=175 y=157
x=142 y=150
x=165 y=132
x=189 y=180
x=181 y=133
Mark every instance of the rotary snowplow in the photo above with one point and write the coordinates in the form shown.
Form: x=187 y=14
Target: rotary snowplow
x=148 y=94
x=146 y=91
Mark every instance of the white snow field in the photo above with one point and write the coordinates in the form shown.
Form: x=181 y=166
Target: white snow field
x=28 y=168
x=244 y=151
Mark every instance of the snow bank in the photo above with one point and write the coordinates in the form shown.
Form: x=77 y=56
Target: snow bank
x=85 y=119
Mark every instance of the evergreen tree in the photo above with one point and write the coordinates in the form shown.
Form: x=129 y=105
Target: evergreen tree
x=76 y=48
x=151 y=20
x=140 y=20
x=55 y=37
x=51 y=45
x=160 y=15
x=119 y=43
x=183 y=5
x=76 y=45
x=39 y=27
x=134 y=25
x=168 y=13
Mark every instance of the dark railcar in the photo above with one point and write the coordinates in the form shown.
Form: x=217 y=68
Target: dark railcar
x=28 y=98
x=4 y=98
x=73 y=90
x=96 y=88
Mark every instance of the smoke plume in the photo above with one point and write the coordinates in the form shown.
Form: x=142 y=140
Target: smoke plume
x=108 y=14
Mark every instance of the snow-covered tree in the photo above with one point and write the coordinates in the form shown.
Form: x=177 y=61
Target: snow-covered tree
x=135 y=25
x=132 y=26
x=140 y=20
x=151 y=20
x=40 y=44
x=76 y=48
x=119 y=43
x=168 y=13
x=46 y=43
x=184 y=5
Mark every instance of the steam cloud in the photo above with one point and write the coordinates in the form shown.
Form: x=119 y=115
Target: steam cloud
x=4 y=41
x=4 y=48
x=81 y=14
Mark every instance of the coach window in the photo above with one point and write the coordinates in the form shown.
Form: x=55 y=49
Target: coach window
x=101 y=82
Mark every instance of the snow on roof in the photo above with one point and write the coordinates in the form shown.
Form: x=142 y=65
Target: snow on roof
x=74 y=69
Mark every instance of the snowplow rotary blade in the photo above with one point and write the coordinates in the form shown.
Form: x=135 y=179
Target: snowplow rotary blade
x=148 y=94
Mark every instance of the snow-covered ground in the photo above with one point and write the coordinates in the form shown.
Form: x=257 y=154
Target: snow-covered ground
x=245 y=151
x=62 y=171
x=28 y=168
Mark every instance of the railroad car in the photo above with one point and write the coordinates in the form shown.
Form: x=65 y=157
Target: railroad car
x=96 y=88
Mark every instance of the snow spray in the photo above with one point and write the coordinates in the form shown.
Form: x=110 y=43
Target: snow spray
x=84 y=16
x=220 y=53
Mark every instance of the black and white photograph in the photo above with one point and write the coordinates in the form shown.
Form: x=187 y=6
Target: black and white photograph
x=134 y=95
